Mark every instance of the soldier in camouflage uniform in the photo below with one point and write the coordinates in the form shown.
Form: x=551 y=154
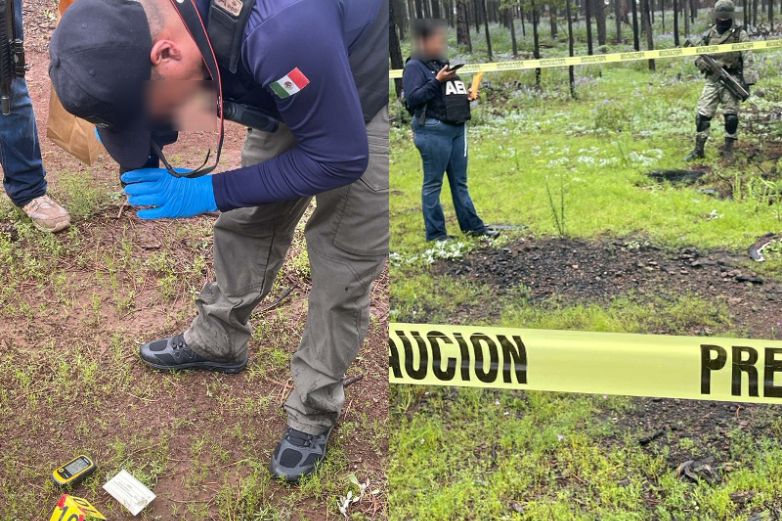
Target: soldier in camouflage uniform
x=739 y=65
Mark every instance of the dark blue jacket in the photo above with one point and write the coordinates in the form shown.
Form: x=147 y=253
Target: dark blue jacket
x=328 y=115
x=422 y=89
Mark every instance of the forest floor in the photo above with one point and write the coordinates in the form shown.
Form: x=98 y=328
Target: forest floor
x=75 y=307
x=595 y=238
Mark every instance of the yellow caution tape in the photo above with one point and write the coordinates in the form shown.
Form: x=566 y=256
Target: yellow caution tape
x=616 y=57
x=704 y=368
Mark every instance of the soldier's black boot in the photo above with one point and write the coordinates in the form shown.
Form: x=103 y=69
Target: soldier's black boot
x=173 y=354
x=726 y=152
x=699 y=151
x=298 y=454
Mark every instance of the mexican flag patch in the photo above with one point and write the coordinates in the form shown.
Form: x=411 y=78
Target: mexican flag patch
x=290 y=84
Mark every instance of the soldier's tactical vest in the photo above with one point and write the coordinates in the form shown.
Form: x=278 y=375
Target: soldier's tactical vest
x=732 y=60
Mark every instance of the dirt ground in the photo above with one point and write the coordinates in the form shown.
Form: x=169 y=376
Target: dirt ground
x=203 y=438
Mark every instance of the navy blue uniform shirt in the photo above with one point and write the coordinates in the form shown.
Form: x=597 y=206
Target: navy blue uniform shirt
x=313 y=39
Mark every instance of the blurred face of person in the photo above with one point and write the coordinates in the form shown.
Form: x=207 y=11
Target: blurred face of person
x=177 y=65
x=434 y=45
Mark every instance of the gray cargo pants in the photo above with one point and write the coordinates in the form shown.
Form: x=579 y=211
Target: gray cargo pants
x=347 y=243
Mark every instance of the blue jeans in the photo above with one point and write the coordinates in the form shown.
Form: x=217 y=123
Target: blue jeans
x=443 y=150
x=24 y=178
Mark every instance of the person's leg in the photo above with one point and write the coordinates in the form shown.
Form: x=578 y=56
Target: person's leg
x=705 y=110
x=347 y=241
x=24 y=178
x=23 y=174
x=249 y=248
x=469 y=222
x=730 y=110
x=435 y=148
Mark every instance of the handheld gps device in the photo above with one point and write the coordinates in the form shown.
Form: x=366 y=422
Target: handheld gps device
x=73 y=472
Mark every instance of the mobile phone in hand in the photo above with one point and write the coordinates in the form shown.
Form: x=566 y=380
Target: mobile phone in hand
x=455 y=67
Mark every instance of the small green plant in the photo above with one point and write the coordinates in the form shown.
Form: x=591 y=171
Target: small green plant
x=558 y=208
x=613 y=116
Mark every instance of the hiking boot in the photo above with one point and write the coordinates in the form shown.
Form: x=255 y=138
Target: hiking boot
x=47 y=215
x=298 y=454
x=173 y=354
x=697 y=152
x=726 y=152
x=442 y=238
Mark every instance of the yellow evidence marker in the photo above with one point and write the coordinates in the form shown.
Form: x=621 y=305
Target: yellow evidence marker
x=71 y=508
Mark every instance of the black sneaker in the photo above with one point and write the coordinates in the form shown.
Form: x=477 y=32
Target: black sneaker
x=488 y=233
x=173 y=354
x=298 y=454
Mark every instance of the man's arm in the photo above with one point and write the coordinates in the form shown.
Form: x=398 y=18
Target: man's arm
x=300 y=57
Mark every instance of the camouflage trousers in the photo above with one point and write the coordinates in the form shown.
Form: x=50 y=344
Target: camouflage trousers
x=715 y=94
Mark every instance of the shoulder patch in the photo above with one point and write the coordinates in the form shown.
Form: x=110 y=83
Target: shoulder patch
x=290 y=84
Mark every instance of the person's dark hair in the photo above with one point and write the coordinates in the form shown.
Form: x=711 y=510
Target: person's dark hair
x=425 y=27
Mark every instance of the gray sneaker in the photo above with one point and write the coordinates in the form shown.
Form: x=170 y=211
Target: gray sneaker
x=298 y=454
x=47 y=215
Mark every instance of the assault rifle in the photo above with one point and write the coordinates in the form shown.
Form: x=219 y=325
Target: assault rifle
x=708 y=64
x=11 y=55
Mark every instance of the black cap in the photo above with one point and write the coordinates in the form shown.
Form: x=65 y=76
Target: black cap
x=99 y=68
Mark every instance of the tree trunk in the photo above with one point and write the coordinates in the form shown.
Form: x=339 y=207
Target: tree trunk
x=535 y=39
x=486 y=29
x=744 y=13
x=419 y=9
x=514 y=44
x=686 y=18
x=521 y=17
x=771 y=15
x=647 y=22
x=477 y=11
x=662 y=14
x=636 y=35
x=436 y=11
x=571 y=69
x=395 y=48
x=552 y=20
x=463 y=25
x=618 y=20
x=600 y=18
x=676 y=40
x=588 y=15
x=754 y=13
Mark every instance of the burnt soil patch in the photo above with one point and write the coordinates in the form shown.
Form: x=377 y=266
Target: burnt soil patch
x=578 y=271
x=700 y=440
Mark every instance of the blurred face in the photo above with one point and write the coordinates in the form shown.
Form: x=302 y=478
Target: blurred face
x=177 y=74
x=435 y=45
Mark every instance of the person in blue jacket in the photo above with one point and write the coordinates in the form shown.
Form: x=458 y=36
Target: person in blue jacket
x=440 y=104
x=24 y=177
x=318 y=69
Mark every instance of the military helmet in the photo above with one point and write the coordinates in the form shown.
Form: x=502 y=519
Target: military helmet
x=724 y=10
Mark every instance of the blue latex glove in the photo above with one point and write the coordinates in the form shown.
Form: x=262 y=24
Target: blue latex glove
x=167 y=196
